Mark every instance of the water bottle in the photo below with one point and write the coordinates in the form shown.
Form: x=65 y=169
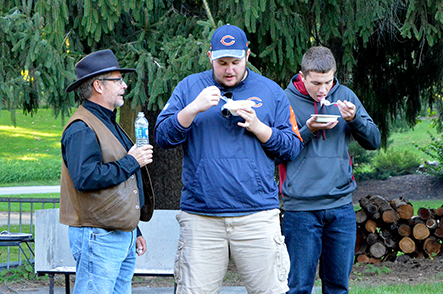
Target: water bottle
x=141 y=130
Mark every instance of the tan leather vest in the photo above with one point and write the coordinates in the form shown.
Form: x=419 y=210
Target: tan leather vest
x=113 y=208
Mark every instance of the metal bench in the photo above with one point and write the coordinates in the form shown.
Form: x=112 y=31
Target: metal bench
x=53 y=254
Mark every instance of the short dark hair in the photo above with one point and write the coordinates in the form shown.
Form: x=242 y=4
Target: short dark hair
x=84 y=90
x=318 y=59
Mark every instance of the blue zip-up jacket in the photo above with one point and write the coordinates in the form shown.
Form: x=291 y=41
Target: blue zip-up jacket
x=321 y=176
x=226 y=169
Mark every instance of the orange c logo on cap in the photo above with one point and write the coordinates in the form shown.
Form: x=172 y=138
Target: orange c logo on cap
x=223 y=40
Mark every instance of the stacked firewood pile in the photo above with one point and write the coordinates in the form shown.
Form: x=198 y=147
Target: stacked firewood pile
x=386 y=228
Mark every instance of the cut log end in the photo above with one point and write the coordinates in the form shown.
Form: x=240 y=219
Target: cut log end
x=371 y=226
x=407 y=245
x=390 y=216
x=404 y=230
x=431 y=246
x=420 y=231
x=363 y=258
x=405 y=211
x=378 y=250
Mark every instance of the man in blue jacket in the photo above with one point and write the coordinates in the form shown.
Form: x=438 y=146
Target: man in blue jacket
x=319 y=220
x=229 y=204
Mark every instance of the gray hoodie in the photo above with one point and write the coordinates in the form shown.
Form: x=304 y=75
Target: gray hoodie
x=321 y=176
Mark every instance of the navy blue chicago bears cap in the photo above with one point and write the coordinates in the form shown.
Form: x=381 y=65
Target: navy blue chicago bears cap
x=228 y=41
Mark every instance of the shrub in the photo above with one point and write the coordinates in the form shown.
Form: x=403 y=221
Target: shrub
x=364 y=172
x=435 y=151
x=395 y=163
x=359 y=155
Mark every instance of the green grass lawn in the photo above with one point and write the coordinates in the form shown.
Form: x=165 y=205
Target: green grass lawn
x=435 y=203
x=403 y=141
x=35 y=137
x=399 y=289
x=30 y=152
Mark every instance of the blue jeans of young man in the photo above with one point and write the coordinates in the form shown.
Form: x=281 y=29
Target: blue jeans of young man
x=105 y=260
x=325 y=235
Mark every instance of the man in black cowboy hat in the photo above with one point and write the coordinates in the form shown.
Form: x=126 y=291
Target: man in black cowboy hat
x=105 y=186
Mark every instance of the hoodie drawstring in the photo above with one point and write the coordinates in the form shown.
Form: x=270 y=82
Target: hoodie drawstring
x=323 y=131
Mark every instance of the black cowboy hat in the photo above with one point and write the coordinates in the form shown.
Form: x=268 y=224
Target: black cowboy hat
x=96 y=63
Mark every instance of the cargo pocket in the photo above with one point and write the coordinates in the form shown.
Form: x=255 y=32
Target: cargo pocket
x=178 y=263
x=282 y=256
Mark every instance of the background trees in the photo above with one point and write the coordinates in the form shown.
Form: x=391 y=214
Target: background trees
x=388 y=51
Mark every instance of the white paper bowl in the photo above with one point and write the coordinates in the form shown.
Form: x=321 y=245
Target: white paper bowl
x=234 y=105
x=325 y=118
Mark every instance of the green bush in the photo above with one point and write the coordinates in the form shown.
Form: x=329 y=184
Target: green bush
x=391 y=162
x=364 y=172
x=359 y=155
x=435 y=151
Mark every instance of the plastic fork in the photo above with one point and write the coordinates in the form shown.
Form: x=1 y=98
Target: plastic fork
x=327 y=103
x=226 y=99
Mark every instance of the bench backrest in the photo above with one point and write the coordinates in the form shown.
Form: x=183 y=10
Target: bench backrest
x=54 y=254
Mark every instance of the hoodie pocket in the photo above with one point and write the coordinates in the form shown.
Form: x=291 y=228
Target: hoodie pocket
x=234 y=177
x=318 y=177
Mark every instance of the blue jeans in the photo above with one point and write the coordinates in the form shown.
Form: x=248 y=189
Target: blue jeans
x=325 y=235
x=105 y=260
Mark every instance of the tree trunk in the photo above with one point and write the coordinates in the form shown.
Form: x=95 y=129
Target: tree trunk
x=165 y=170
x=167 y=167
x=127 y=119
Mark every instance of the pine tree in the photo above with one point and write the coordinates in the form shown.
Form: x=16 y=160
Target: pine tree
x=388 y=51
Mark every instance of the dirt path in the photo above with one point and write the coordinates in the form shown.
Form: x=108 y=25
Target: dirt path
x=411 y=187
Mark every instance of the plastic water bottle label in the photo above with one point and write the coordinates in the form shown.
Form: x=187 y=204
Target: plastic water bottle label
x=141 y=132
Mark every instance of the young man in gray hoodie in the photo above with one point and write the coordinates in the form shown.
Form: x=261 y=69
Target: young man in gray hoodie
x=319 y=221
